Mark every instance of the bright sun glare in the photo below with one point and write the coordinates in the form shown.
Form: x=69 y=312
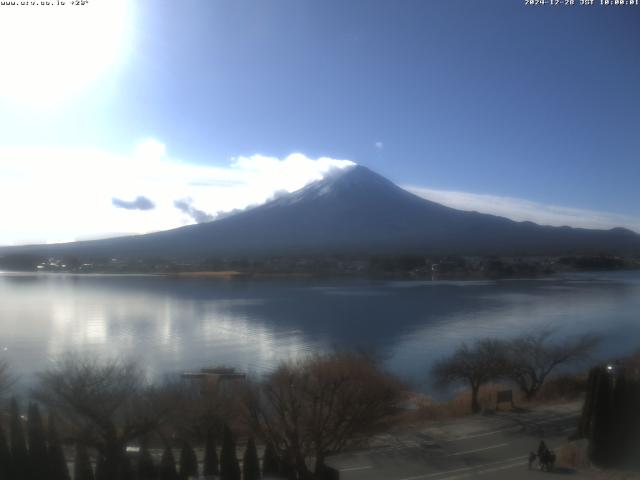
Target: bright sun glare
x=49 y=52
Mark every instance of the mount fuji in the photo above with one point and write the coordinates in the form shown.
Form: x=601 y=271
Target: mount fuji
x=349 y=211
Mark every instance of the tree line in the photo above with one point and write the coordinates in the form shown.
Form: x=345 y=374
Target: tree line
x=39 y=454
x=301 y=413
x=526 y=361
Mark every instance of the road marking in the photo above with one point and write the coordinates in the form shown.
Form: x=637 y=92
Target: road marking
x=489 y=470
x=478 y=450
x=554 y=421
x=353 y=469
x=468 y=437
x=529 y=423
x=407 y=444
x=436 y=474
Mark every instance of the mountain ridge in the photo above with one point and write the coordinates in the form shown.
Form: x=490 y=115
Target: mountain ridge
x=352 y=210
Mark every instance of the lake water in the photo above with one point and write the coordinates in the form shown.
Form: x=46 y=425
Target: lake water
x=173 y=324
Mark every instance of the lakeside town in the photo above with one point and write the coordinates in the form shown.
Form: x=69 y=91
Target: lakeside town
x=405 y=265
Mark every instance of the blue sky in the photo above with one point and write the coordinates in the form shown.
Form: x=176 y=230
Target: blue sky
x=494 y=101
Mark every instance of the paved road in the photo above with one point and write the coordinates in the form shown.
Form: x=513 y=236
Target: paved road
x=490 y=447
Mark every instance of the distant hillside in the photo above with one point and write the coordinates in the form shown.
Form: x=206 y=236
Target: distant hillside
x=352 y=211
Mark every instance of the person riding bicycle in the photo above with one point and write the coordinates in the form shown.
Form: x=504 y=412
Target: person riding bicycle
x=546 y=457
x=542 y=449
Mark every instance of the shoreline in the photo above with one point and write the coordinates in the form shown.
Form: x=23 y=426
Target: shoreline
x=239 y=275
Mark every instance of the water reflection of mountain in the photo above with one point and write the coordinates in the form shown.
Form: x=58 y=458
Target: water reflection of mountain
x=171 y=324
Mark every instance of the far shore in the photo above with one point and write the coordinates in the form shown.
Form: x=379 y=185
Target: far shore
x=228 y=274
x=224 y=274
x=239 y=275
x=389 y=266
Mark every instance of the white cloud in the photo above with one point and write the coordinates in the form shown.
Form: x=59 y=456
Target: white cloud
x=379 y=145
x=521 y=210
x=54 y=195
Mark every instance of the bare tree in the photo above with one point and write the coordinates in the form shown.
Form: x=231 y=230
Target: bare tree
x=532 y=357
x=108 y=403
x=475 y=365
x=194 y=412
x=316 y=407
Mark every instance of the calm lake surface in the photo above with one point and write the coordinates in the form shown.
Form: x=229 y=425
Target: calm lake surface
x=173 y=324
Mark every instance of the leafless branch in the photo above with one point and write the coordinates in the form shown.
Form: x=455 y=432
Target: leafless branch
x=532 y=357
x=318 y=406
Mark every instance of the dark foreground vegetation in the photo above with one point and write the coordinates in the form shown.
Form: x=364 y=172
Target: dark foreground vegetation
x=611 y=414
x=104 y=420
x=109 y=420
